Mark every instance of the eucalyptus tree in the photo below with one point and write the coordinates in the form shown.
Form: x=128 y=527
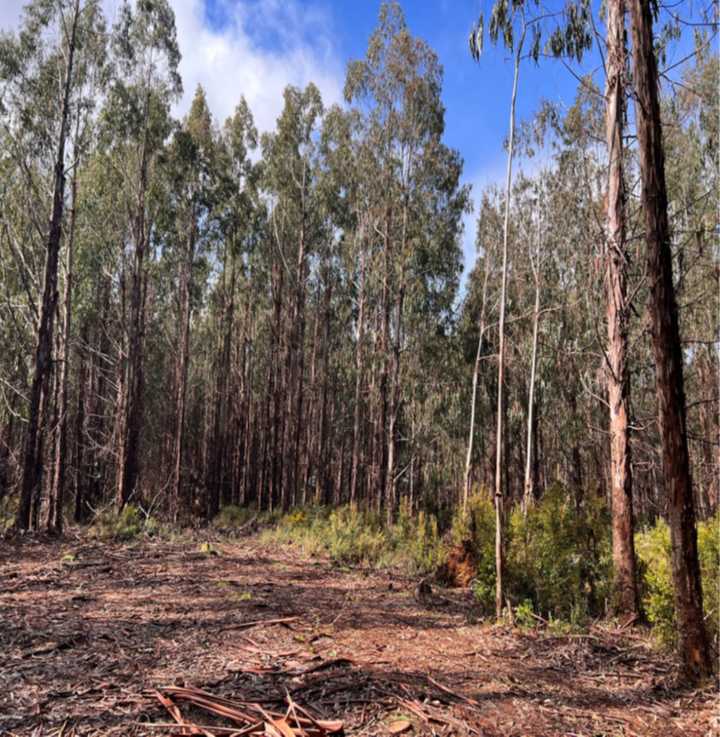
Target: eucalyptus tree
x=145 y=57
x=693 y=646
x=618 y=307
x=512 y=21
x=184 y=222
x=290 y=157
x=418 y=203
x=91 y=71
x=487 y=267
x=43 y=68
x=240 y=221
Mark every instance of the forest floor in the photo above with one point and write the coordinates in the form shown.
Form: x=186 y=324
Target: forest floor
x=95 y=636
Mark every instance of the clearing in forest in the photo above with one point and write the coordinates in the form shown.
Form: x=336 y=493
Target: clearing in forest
x=96 y=636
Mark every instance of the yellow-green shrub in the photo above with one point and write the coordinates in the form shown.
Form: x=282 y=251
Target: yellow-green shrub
x=654 y=556
x=126 y=525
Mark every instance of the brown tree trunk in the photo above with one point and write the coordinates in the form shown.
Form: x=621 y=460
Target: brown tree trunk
x=693 y=645
x=57 y=491
x=626 y=601
x=357 y=409
x=132 y=412
x=182 y=372
x=32 y=457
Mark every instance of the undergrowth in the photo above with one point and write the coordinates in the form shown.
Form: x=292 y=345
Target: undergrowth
x=653 y=550
x=352 y=536
x=558 y=568
x=128 y=524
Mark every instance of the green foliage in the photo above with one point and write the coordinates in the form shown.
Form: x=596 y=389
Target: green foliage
x=559 y=557
x=654 y=557
x=524 y=614
x=477 y=527
x=130 y=523
x=231 y=517
x=352 y=536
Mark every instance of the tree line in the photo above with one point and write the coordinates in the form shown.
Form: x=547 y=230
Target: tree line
x=196 y=315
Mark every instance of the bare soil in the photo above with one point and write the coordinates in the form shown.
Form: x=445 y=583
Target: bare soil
x=89 y=631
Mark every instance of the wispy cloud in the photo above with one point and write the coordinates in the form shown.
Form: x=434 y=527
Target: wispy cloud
x=255 y=48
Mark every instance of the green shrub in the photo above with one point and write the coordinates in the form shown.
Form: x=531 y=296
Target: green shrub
x=230 y=517
x=127 y=525
x=350 y=536
x=476 y=528
x=524 y=612
x=654 y=557
x=557 y=560
x=559 y=557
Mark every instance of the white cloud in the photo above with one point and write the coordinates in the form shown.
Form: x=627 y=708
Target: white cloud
x=230 y=61
x=260 y=47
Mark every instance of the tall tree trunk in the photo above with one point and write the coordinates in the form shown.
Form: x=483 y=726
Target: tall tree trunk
x=499 y=514
x=132 y=404
x=32 y=457
x=626 y=602
x=473 y=401
x=390 y=478
x=528 y=491
x=358 y=382
x=693 y=645
x=182 y=371
x=57 y=492
x=84 y=388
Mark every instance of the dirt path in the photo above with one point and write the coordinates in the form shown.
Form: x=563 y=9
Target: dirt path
x=87 y=630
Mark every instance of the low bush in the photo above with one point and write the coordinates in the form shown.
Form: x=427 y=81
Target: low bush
x=558 y=564
x=352 y=536
x=125 y=525
x=557 y=558
x=231 y=517
x=653 y=551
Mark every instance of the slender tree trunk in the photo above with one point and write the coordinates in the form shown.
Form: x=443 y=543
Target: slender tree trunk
x=358 y=382
x=32 y=457
x=132 y=404
x=57 y=492
x=626 y=601
x=476 y=376
x=528 y=491
x=83 y=387
x=182 y=371
x=499 y=514
x=693 y=645
x=390 y=478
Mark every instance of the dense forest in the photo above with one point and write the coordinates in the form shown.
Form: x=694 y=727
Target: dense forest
x=196 y=316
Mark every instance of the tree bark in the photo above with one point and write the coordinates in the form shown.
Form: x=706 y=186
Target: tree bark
x=499 y=514
x=693 y=645
x=32 y=457
x=528 y=491
x=626 y=601
x=57 y=492
x=358 y=382
x=476 y=376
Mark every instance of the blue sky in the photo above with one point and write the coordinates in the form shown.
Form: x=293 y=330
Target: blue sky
x=476 y=94
x=256 y=47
